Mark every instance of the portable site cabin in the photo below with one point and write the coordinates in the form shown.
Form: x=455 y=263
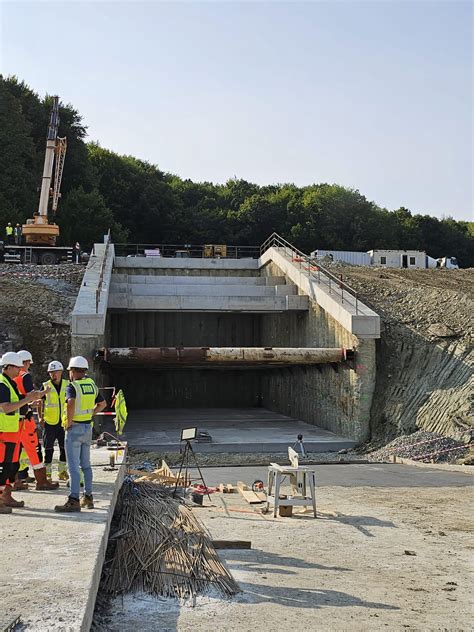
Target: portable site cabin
x=351 y=257
x=398 y=258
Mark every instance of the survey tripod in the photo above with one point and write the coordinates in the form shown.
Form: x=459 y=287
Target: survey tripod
x=187 y=452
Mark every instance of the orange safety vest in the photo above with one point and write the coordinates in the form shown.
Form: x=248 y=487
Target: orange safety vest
x=19 y=381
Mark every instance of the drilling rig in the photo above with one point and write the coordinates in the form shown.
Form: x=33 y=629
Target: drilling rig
x=39 y=231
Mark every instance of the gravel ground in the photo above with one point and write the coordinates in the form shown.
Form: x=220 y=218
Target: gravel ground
x=148 y=461
x=427 y=447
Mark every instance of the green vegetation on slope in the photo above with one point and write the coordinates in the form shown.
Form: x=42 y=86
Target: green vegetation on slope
x=142 y=204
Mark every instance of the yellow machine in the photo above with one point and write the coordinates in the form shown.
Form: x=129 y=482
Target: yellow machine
x=215 y=251
x=39 y=231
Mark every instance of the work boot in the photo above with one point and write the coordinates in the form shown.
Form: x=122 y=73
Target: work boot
x=42 y=483
x=87 y=502
x=62 y=471
x=4 y=509
x=71 y=504
x=8 y=499
x=20 y=485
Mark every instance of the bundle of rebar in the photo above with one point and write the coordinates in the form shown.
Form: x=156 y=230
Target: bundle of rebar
x=160 y=547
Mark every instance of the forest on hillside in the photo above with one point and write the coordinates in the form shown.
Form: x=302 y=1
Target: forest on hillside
x=142 y=204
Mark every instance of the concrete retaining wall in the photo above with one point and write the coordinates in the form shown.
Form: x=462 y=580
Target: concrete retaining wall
x=339 y=401
x=163 y=329
x=184 y=388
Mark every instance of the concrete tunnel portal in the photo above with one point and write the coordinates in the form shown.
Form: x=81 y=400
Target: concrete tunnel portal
x=219 y=342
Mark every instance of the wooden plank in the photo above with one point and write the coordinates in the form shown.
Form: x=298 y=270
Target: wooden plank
x=230 y=489
x=232 y=544
x=242 y=487
x=250 y=497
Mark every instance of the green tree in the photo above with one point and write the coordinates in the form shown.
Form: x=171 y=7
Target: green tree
x=17 y=160
x=85 y=218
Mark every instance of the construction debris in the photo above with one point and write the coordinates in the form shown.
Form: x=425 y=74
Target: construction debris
x=159 y=547
x=164 y=475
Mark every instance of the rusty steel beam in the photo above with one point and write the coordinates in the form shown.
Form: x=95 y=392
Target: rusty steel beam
x=221 y=356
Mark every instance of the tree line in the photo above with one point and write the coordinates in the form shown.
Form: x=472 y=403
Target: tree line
x=142 y=204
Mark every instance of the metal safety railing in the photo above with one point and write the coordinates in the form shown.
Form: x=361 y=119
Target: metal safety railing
x=313 y=269
x=103 y=263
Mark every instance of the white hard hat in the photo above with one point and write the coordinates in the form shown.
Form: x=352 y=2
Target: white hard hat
x=25 y=356
x=55 y=365
x=78 y=362
x=11 y=358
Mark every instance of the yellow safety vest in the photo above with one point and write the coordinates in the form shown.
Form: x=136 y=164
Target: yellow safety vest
x=9 y=230
x=54 y=403
x=9 y=422
x=86 y=393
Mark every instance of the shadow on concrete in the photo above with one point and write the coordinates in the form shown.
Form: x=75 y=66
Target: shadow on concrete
x=296 y=597
x=305 y=597
x=358 y=522
x=261 y=559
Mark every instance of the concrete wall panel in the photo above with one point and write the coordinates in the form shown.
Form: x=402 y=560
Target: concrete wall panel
x=188 y=388
x=162 y=329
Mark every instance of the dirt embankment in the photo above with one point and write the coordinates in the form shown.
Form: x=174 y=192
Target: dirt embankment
x=425 y=358
x=35 y=311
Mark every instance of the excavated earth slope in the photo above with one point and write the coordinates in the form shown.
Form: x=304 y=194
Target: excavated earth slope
x=425 y=357
x=35 y=311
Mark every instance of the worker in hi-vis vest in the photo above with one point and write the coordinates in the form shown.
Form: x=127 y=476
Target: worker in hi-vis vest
x=83 y=401
x=51 y=412
x=12 y=406
x=9 y=233
x=28 y=433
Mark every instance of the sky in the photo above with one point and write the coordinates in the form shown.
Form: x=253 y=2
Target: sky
x=376 y=96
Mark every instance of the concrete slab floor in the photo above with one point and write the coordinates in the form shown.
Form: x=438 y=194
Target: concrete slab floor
x=347 y=570
x=231 y=429
x=51 y=563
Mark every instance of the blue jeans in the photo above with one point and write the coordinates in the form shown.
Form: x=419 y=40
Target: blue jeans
x=78 y=454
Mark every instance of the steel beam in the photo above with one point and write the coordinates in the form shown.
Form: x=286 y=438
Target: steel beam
x=220 y=356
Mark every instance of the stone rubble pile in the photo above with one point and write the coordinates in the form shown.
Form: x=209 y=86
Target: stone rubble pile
x=427 y=447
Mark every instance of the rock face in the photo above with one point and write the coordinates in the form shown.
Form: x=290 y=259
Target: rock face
x=35 y=311
x=425 y=358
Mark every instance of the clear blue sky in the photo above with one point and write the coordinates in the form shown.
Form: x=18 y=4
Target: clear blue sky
x=373 y=95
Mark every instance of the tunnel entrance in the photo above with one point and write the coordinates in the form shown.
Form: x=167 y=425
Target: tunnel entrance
x=248 y=407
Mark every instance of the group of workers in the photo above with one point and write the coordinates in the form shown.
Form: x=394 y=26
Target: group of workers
x=13 y=234
x=65 y=410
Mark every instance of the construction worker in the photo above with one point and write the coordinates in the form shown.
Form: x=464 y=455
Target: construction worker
x=11 y=408
x=18 y=233
x=83 y=401
x=28 y=434
x=9 y=233
x=51 y=415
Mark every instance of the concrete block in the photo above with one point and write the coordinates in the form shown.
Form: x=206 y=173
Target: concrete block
x=60 y=591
